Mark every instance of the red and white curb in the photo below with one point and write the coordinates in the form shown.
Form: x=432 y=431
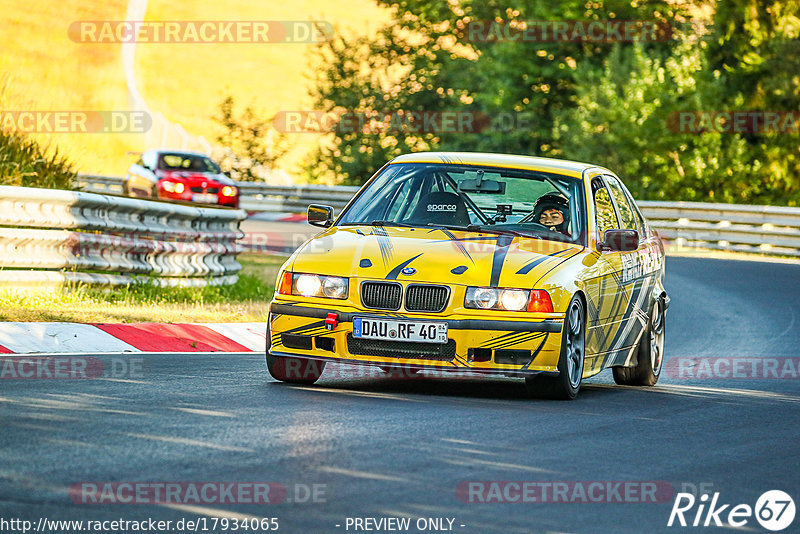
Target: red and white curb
x=95 y=338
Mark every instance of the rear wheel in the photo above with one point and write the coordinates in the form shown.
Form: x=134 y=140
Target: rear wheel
x=294 y=370
x=566 y=385
x=650 y=354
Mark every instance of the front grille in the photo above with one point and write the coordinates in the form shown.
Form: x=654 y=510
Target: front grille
x=401 y=349
x=212 y=190
x=426 y=298
x=381 y=295
x=196 y=189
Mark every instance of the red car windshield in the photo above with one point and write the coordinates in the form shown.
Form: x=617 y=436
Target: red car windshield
x=186 y=162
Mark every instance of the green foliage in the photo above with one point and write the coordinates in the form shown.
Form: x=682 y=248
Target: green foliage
x=425 y=62
x=247 y=288
x=252 y=147
x=24 y=162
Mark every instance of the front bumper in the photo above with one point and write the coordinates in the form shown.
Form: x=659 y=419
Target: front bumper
x=503 y=346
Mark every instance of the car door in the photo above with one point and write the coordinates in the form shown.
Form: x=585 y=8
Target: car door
x=603 y=283
x=637 y=282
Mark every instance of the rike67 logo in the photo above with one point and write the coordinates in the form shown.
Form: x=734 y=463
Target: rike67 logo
x=774 y=510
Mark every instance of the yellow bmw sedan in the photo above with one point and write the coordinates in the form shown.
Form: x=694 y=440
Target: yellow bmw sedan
x=528 y=267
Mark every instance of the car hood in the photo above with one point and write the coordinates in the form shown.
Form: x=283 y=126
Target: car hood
x=431 y=255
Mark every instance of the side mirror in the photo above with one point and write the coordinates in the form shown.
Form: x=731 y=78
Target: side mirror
x=620 y=241
x=319 y=215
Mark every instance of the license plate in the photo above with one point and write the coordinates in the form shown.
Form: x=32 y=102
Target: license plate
x=205 y=198
x=400 y=330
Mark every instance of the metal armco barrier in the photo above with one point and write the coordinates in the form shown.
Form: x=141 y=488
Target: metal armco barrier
x=262 y=197
x=53 y=236
x=761 y=229
x=771 y=230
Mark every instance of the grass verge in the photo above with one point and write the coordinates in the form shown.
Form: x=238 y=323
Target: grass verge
x=245 y=301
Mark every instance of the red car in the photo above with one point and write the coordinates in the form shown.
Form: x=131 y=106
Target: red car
x=180 y=175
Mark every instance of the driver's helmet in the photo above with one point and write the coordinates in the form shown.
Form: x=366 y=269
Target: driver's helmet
x=552 y=201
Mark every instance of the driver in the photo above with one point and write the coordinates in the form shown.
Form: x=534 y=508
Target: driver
x=552 y=211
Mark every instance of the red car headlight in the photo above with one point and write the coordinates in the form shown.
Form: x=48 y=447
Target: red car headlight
x=172 y=187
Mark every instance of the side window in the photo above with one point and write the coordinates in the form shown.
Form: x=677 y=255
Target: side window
x=627 y=214
x=604 y=209
x=636 y=211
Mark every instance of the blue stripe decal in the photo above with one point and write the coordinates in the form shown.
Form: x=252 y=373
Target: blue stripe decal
x=500 y=251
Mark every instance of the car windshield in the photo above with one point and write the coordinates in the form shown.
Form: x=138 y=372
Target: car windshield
x=186 y=162
x=469 y=197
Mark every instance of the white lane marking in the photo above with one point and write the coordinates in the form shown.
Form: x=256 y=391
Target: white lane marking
x=251 y=335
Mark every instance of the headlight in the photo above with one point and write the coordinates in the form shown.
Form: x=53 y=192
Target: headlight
x=490 y=298
x=172 y=187
x=308 y=285
x=334 y=287
x=229 y=191
x=313 y=285
x=514 y=299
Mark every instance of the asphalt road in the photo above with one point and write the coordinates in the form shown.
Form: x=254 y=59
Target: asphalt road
x=381 y=447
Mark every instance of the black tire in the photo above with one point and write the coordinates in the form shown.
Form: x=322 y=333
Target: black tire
x=650 y=353
x=566 y=385
x=294 y=370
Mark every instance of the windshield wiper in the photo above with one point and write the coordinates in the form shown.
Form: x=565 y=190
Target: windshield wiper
x=479 y=228
x=391 y=223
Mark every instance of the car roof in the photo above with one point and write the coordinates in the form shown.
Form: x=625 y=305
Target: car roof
x=513 y=161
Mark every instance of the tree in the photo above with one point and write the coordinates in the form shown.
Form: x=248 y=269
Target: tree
x=252 y=148
x=425 y=61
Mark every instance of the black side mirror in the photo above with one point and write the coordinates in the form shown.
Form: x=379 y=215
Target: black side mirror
x=620 y=241
x=319 y=215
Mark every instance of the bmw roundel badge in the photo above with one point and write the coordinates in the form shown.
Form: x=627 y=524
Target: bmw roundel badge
x=408 y=271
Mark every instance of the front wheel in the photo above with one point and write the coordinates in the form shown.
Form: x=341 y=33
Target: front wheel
x=650 y=354
x=294 y=370
x=566 y=385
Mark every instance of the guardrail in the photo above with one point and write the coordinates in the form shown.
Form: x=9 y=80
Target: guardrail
x=760 y=229
x=53 y=236
x=771 y=230
x=263 y=197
